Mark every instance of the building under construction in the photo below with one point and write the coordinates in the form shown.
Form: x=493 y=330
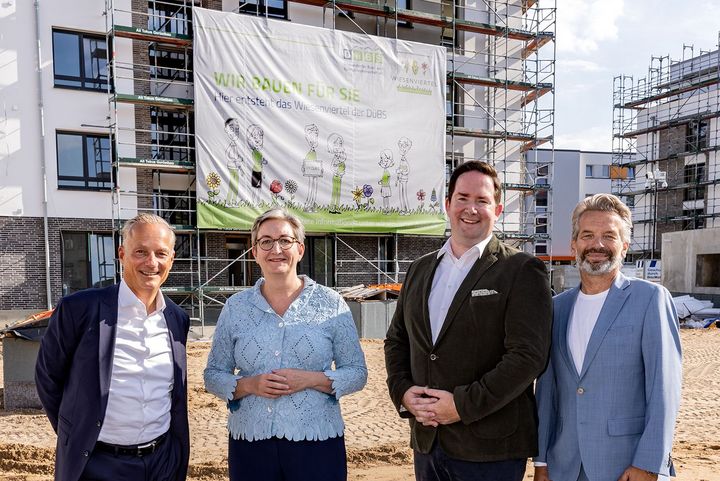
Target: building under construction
x=665 y=147
x=115 y=136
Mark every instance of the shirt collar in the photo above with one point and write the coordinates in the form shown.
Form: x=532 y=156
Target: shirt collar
x=475 y=251
x=127 y=298
x=261 y=302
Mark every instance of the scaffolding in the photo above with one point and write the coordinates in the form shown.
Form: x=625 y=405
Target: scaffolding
x=500 y=107
x=665 y=147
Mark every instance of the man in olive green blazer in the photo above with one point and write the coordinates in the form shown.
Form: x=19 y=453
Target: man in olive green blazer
x=470 y=334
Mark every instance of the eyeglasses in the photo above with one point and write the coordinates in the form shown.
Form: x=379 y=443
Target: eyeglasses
x=267 y=243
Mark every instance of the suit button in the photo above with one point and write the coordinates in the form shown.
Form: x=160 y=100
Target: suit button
x=433 y=357
x=86 y=453
x=581 y=391
x=98 y=424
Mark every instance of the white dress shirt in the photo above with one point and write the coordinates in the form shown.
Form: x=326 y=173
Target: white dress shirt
x=139 y=401
x=582 y=322
x=450 y=273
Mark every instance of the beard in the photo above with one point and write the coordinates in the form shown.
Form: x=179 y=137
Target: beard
x=598 y=268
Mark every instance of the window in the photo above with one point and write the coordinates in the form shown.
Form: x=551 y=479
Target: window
x=588 y=171
x=169 y=64
x=318 y=262
x=693 y=219
x=629 y=200
x=404 y=5
x=79 y=60
x=175 y=206
x=605 y=171
x=707 y=272
x=696 y=135
x=541 y=248
x=164 y=16
x=88 y=260
x=83 y=161
x=631 y=172
x=694 y=174
x=450 y=163
x=169 y=138
x=453 y=104
x=541 y=201
x=541 y=225
x=386 y=257
x=275 y=8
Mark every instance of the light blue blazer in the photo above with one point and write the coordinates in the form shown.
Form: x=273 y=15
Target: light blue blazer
x=621 y=409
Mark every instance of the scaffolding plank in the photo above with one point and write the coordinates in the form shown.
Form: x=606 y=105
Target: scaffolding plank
x=536 y=44
x=489 y=134
x=155 y=100
x=533 y=95
x=669 y=124
x=535 y=143
x=158 y=36
x=464 y=78
x=639 y=103
x=424 y=18
x=157 y=164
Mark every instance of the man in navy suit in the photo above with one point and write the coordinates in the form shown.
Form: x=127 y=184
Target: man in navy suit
x=609 y=398
x=111 y=371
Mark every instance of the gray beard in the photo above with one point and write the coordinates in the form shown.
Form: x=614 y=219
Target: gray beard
x=600 y=269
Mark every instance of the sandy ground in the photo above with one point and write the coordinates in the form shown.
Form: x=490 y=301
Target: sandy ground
x=376 y=438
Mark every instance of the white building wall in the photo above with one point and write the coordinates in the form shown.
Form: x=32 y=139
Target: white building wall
x=21 y=186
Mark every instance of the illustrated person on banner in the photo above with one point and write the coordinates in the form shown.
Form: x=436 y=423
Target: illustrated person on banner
x=311 y=166
x=255 y=136
x=386 y=161
x=403 y=173
x=609 y=398
x=234 y=161
x=470 y=334
x=283 y=354
x=336 y=148
x=111 y=370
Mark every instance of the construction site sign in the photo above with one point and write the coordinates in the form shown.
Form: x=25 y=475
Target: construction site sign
x=346 y=131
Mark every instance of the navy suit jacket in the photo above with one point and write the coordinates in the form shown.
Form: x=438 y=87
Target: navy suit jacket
x=73 y=372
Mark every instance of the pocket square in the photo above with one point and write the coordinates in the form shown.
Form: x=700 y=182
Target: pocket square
x=483 y=292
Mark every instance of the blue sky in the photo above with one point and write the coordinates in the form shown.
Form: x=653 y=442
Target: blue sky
x=600 y=39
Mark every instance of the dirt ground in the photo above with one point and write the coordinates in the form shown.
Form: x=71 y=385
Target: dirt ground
x=376 y=438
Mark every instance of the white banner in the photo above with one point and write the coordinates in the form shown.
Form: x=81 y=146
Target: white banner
x=345 y=130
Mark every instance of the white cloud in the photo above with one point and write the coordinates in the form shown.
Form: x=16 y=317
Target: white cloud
x=584 y=24
x=578 y=65
x=597 y=138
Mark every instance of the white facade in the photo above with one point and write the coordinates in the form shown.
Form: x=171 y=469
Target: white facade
x=575 y=175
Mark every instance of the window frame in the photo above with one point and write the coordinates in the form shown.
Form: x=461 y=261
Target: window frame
x=88 y=259
x=83 y=79
x=85 y=177
x=259 y=9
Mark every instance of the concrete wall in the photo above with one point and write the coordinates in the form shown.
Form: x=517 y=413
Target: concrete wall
x=19 y=357
x=680 y=263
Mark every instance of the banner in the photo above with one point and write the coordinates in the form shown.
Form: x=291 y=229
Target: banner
x=346 y=131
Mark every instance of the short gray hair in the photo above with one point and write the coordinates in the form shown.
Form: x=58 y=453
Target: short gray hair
x=603 y=203
x=146 y=218
x=280 y=214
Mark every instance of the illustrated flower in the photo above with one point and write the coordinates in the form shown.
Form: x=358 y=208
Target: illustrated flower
x=415 y=67
x=291 y=186
x=433 y=196
x=213 y=181
x=421 y=195
x=276 y=187
x=367 y=190
x=357 y=194
x=424 y=67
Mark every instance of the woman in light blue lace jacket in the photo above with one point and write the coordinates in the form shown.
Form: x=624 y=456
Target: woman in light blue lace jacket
x=272 y=360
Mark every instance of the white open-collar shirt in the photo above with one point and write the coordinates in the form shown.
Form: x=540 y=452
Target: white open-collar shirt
x=450 y=273
x=141 y=384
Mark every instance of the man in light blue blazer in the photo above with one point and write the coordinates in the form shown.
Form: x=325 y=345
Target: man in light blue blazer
x=608 y=401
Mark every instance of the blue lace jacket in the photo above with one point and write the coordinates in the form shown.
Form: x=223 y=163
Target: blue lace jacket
x=252 y=339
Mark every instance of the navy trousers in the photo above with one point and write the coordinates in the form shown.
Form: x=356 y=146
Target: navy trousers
x=438 y=466
x=277 y=459
x=161 y=465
